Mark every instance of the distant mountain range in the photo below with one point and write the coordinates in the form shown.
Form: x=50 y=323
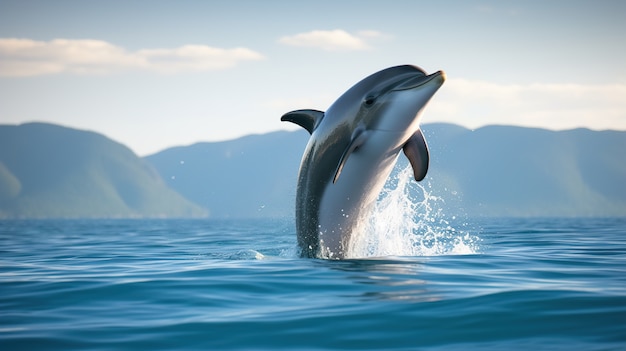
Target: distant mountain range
x=253 y=176
x=491 y=171
x=513 y=171
x=48 y=171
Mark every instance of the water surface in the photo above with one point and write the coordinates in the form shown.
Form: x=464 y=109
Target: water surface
x=542 y=284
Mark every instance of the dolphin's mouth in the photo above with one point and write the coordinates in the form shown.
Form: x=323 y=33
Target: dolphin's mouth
x=439 y=77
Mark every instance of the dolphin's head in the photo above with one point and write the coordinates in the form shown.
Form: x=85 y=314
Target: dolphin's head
x=388 y=100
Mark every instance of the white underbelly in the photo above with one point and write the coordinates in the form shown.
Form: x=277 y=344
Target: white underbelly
x=346 y=202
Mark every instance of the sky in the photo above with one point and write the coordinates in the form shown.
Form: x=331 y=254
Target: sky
x=156 y=74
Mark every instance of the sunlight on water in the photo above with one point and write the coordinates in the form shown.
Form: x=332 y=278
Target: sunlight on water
x=408 y=220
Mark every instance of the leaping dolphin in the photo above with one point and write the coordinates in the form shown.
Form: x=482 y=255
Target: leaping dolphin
x=352 y=150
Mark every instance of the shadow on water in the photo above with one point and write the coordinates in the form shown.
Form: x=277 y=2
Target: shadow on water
x=389 y=278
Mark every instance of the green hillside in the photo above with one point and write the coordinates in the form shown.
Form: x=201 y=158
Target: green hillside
x=48 y=171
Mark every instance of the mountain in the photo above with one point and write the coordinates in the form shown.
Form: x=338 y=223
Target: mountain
x=490 y=171
x=513 y=171
x=254 y=176
x=49 y=171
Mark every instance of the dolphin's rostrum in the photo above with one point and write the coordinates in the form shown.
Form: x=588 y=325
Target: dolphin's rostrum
x=352 y=150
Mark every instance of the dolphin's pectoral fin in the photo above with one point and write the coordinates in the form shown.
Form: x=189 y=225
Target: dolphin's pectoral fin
x=307 y=119
x=358 y=138
x=416 y=151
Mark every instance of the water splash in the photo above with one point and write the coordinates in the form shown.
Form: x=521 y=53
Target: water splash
x=408 y=220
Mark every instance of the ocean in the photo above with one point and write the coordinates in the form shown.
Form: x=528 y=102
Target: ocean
x=416 y=278
x=518 y=284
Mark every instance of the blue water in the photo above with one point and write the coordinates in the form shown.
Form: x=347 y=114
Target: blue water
x=519 y=284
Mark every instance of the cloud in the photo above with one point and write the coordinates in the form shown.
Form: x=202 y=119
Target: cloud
x=195 y=58
x=332 y=40
x=26 y=57
x=554 y=106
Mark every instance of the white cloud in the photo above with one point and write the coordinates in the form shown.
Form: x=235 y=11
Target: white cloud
x=195 y=58
x=26 y=57
x=553 y=106
x=332 y=40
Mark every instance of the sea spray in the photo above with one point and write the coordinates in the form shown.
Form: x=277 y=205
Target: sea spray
x=409 y=220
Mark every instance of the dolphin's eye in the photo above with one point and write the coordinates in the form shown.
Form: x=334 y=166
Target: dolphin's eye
x=369 y=101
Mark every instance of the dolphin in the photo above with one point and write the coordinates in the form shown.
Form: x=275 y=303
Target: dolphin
x=352 y=150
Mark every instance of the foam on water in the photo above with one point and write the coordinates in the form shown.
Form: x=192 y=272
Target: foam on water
x=408 y=220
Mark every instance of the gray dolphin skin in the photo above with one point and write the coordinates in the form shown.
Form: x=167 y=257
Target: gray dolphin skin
x=351 y=152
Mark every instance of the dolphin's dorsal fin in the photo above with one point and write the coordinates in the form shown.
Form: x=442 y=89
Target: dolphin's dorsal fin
x=307 y=119
x=416 y=151
x=358 y=138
